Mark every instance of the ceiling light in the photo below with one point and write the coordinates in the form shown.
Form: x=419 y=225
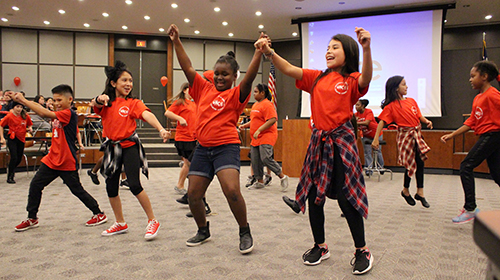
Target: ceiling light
x=128 y=2
x=261 y=26
x=217 y=9
x=174 y=5
x=46 y=22
x=341 y=3
x=147 y=17
x=224 y=23
x=488 y=17
x=4 y=19
x=197 y=32
x=124 y=27
x=258 y=13
x=161 y=29
x=15 y=8
x=86 y=25
x=298 y=8
x=62 y=12
x=105 y=14
x=445 y=20
x=187 y=20
x=230 y=34
x=294 y=34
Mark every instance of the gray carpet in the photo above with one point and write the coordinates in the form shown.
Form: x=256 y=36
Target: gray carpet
x=406 y=242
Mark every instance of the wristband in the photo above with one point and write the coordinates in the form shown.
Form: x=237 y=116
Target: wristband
x=97 y=100
x=162 y=130
x=269 y=54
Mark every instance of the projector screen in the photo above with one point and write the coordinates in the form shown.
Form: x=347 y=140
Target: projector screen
x=406 y=44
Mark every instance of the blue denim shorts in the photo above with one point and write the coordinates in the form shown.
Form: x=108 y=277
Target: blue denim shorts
x=207 y=161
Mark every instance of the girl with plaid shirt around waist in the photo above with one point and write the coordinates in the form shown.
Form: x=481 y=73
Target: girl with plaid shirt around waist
x=332 y=166
x=412 y=148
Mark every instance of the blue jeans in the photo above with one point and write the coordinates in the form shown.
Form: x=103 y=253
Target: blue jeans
x=367 y=148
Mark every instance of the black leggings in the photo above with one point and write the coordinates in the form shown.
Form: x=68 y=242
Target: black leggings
x=16 y=150
x=353 y=217
x=419 y=174
x=131 y=162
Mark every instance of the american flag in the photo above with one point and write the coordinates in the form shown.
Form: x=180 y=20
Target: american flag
x=272 y=85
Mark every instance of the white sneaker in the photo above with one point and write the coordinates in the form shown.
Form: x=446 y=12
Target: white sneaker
x=284 y=183
x=256 y=185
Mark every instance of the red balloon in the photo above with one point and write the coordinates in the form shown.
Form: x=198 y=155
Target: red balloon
x=17 y=81
x=164 y=80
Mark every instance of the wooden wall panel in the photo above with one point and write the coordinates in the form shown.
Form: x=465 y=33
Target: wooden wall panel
x=296 y=135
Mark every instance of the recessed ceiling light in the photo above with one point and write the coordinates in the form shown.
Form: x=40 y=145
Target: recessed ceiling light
x=224 y=23
x=128 y=2
x=261 y=26
x=147 y=17
x=15 y=8
x=298 y=8
x=4 y=19
x=230 y=34
x=341 y=3
x=86 y=25
x=445 y=20
x=294 y=34
x=105 y=14
x=46 y=22
x=124 y=27
x=187 y=20
x=197 y=32
x=488 y=17
x=258 y=13
x=174 y=5
x=161 y=29
x=62 y=12
x=217 y=9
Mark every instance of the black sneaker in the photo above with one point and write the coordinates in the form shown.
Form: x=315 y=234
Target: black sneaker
x=183 y=199
x=207 y=213
x=315 y=255
x=267 y=180
x=202 y=236
x=362 y=261
x=124 y=184
x=246 y=240
x=93 y=176
x=250 y=181
x=292 y=204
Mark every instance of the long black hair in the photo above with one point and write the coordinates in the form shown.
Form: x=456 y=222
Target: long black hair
x=391 y=90
x=264 y=88
x=489 y=68
x=113 y=74
x=351 y=53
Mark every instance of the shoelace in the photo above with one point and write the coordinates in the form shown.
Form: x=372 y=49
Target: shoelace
x=116 y=226
x=357 y=255
x=150 y=227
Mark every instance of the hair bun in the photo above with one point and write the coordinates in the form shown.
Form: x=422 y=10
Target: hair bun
x=111 y=71
x=231 y=53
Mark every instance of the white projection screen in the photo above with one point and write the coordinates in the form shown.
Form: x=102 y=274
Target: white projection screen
x=406 y=44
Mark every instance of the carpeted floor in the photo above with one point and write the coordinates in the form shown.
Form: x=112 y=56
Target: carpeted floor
x=406 y=242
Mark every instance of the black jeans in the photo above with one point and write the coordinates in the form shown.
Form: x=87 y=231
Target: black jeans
x=16 y=150
x=487 y=147
x=353 y=217
x=131 y=162
x=419 y=173
x=44 y=176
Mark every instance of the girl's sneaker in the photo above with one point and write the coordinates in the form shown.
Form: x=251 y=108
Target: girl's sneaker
x=465 y=216
x=152 y=229
x=97 y=220
x=315 y=255
x=362 y=261
x=27 y=224
x=116 y=228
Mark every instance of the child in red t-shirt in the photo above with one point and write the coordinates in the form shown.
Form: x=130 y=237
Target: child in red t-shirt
x=412 y=148
x=264 y=133
x=218 y=152
x=485 y=121
x=332 y=153
x=119 y=110
x=61 y=161
x=367 y=124
x=18 y=122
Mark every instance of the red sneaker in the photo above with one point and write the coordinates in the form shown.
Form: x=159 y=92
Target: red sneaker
x=97 y=220
x=27 y=224
x=116 y=228
x=152 y=229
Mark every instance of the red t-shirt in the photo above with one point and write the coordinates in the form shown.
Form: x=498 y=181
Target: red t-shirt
x=332 y=98
x=261 y=112
x=188 y=112
x=485 y=114
x=17 y=125
x=218 y=113
x=62 y=153
x=370 y=129
x=402 y=112
x=118 y=121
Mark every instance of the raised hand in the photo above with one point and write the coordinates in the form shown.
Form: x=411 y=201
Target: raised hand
x=173 y=32
x=364 y=37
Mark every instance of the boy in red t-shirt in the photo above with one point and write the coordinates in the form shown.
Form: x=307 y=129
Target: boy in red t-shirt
x=61 y=160
x=368 y=125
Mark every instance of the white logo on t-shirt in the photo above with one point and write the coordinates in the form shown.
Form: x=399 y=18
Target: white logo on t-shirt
x=218 y=104
x=414 y=110
x=123 y=111
x=341 y=88
x=478 y=113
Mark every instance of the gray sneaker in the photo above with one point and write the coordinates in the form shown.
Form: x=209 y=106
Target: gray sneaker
x=180 y=191
x=256 y=185
x=284 y=183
